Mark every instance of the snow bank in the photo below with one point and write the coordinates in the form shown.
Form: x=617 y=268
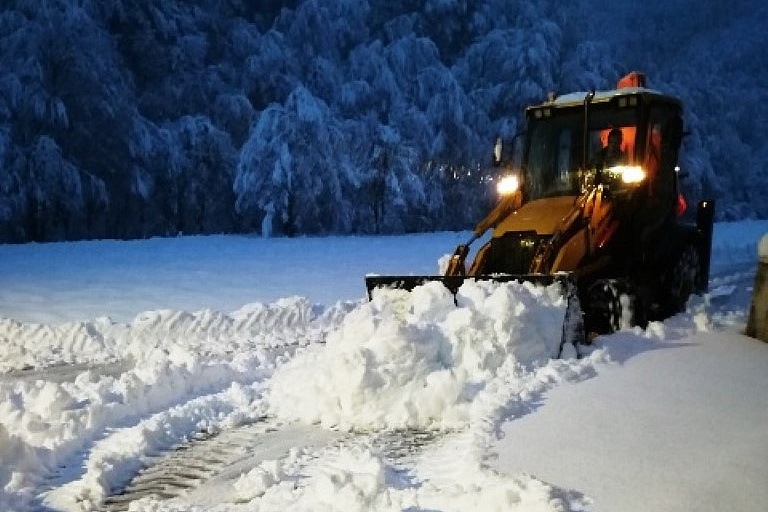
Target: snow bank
x=208 y=334
x=185 y=371
x=416 y=359
x=172 y=358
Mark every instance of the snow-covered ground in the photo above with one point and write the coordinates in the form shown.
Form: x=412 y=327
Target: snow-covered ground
x=289 y=391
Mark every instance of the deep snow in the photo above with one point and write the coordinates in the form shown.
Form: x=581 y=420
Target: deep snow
x=109 y=358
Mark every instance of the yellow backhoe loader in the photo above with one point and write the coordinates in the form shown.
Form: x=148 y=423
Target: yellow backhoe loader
x=593 y=205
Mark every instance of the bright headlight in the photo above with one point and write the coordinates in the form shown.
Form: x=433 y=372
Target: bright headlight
x=629 y=174
x=508 y=185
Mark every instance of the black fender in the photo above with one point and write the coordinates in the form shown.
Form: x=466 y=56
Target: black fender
x=705 y=218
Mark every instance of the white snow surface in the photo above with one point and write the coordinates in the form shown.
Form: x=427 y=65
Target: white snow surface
x=112 y=353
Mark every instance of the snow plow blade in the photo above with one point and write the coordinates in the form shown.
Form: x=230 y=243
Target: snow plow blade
x=573 y=323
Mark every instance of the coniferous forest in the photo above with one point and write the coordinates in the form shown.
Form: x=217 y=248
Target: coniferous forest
x=130 y=119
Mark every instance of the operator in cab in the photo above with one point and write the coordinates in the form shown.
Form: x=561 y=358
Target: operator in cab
x=612 y=154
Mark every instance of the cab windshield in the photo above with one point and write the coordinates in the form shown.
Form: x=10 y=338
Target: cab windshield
x=554 y=161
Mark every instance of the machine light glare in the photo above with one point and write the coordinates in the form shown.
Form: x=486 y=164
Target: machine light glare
x=508 y=185
x=629 y=174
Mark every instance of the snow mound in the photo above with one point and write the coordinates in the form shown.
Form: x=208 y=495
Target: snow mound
x=206 y=333
x=417 y=359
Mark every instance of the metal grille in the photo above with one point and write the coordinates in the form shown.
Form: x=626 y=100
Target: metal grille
x=513 y=253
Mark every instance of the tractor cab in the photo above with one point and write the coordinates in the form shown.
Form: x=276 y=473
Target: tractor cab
x=567 y=146
x=596 y=186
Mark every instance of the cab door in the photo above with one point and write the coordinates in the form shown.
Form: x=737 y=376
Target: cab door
x=662 y=141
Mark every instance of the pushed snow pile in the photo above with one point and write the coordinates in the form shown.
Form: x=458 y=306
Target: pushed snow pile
x=418 y=360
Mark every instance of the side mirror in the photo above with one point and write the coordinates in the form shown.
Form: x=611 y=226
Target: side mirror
x=497 y=151
x=508 y=154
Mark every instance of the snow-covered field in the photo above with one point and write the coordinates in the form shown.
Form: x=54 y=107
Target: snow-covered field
x=286 y=390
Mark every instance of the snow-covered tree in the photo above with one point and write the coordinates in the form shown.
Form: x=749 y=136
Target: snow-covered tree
x=287 y=177
x=319 y=116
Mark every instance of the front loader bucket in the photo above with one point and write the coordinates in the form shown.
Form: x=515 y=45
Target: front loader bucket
x=573 y=324
x=453 y=283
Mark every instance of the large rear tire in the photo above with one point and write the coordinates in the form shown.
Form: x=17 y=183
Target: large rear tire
x=609 y=306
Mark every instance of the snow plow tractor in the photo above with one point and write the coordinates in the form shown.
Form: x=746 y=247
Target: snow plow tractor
x=593 y=205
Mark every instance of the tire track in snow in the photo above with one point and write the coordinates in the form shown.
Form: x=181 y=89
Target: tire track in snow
x=190 y=464
x=185 y=470
x=210 y=364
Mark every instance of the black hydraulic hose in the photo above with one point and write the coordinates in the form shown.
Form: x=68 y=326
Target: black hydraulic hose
x=587 y=101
